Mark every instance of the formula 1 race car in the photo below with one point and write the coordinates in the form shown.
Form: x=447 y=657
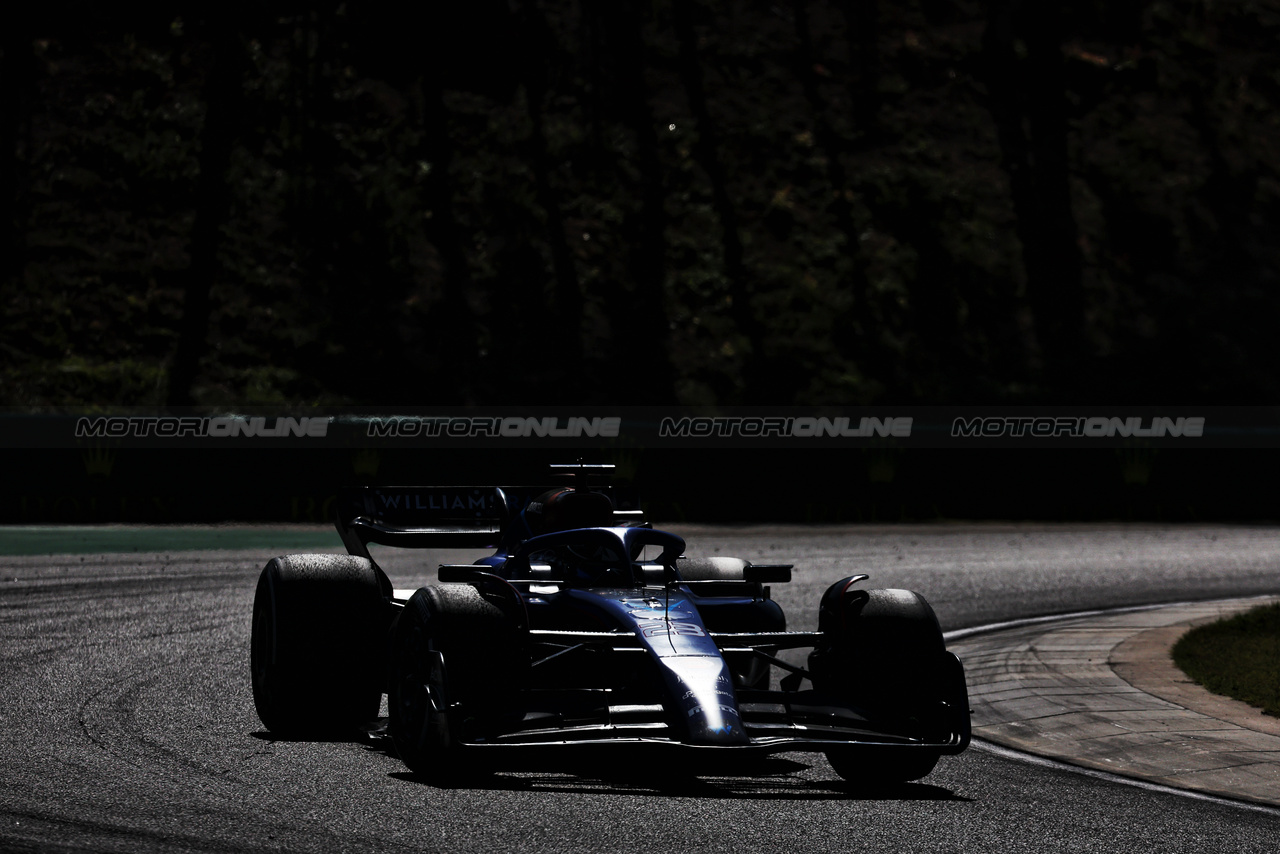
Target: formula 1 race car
x=588 y=629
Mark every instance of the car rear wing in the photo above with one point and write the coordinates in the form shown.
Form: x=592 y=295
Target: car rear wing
x=451 y=517
x=421 y=517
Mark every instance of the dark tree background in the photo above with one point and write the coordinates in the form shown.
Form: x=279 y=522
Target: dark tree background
x=792 y=202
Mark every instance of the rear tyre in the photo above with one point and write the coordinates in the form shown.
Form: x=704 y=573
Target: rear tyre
x=455 y=659
x=759 y=615
x=712 y=569
x=886 y=658
x=319 y=623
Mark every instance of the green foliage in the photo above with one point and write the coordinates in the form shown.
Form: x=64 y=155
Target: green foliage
x=881 y=246
x=1238 y=657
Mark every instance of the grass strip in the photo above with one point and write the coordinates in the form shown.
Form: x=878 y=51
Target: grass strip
x=1238 y=657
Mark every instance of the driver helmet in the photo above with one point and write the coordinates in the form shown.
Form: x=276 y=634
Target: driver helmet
x=566 y=508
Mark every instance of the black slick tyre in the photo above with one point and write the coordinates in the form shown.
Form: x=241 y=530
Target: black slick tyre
x=455 y=660
x=886 y=658
x=712 y=569
x=878 y=766
x=750 y=613
x=319 y=628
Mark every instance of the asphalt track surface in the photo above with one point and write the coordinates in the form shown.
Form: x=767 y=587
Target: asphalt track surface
x=128 y=723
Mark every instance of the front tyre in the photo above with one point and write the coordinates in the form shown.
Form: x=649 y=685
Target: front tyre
x=874 y=765
x=885 y=657
x=455 y=656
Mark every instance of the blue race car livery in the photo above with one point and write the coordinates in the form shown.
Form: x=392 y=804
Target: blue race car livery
x=588 y=630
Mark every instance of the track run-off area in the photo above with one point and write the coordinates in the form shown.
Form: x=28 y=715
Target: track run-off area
x=128 y=720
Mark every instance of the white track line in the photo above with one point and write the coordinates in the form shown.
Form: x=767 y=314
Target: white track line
x=1033 y=759
x=1111 y=777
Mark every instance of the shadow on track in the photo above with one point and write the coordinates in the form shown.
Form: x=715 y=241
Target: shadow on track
x=773 y=778
x=724 y=778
